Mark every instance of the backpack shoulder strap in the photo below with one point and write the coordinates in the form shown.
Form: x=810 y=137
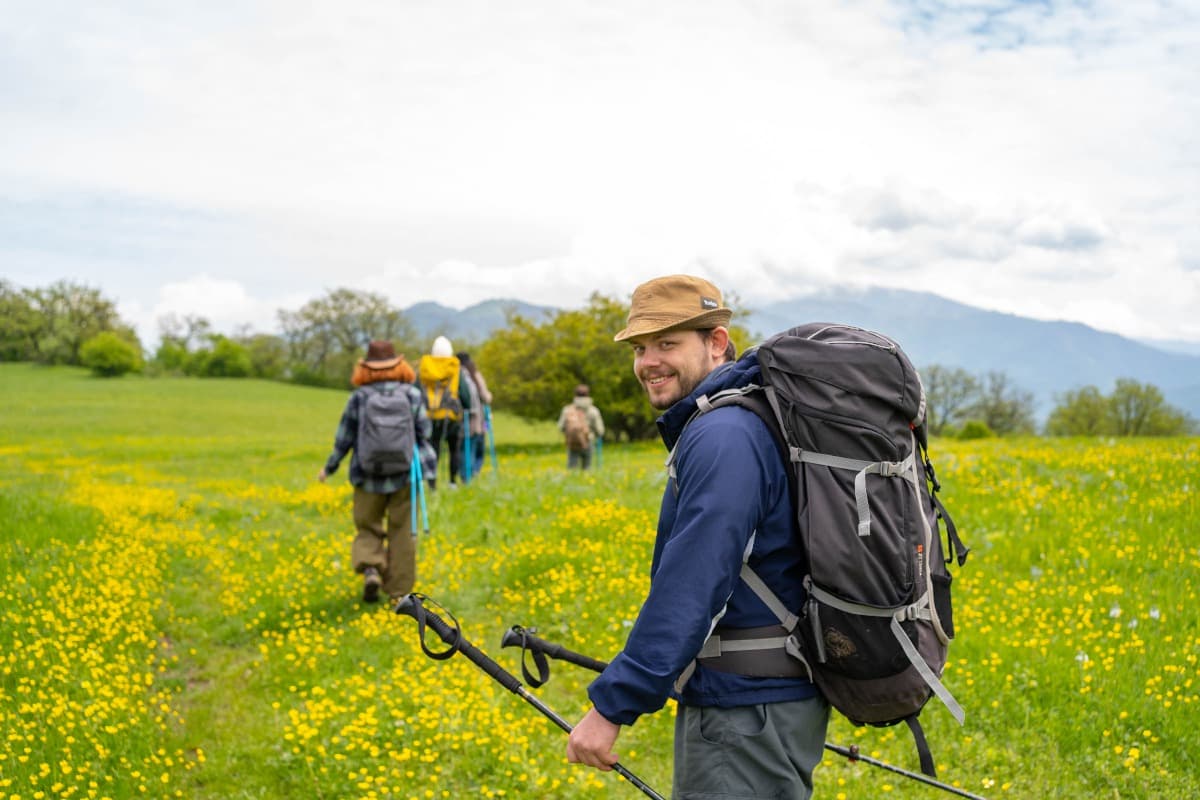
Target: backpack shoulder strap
x=752 y=397
x=759 y=400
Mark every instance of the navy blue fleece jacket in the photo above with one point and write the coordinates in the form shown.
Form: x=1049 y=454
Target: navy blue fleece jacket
x=731 y=496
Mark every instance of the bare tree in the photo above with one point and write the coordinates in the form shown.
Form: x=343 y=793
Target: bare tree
x=1003 y=406
x=327 y=335
x=948 y=392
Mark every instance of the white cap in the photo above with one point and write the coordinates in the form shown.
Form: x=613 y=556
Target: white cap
x=441 y=347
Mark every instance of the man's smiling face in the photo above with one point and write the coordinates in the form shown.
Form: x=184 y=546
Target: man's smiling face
x=670 y=365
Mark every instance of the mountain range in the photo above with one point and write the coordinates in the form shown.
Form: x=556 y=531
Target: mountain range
x=1045 y=358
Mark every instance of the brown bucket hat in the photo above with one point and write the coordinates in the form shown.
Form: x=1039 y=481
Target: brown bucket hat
x=674 y=302
x=381 y=354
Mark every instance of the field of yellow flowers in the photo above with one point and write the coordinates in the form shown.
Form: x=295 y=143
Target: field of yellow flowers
x=179 y=617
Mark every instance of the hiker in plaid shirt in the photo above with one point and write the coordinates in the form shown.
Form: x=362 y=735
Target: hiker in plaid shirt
x=384 y=549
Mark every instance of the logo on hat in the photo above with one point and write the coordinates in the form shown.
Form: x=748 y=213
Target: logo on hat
x=708 y=303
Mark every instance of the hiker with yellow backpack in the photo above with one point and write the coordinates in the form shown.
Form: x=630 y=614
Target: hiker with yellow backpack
x=448 y=392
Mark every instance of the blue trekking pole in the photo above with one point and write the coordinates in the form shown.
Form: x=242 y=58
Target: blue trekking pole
x=466 y=434
x=414 y=477
x=599 y=451
x=417 y=477
x=491 y=434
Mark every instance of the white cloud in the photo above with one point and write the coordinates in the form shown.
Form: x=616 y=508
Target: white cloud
x=463 y=150
x=225 y=304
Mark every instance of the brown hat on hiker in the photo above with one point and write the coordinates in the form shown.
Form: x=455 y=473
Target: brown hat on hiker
x=674 y=302
x=381 y=354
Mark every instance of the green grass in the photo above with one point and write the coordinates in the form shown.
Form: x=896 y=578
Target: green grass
x=182 y=620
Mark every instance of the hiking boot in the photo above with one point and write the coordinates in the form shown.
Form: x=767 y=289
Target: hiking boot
x=371 y=584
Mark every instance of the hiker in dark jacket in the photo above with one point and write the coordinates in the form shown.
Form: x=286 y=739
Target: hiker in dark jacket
x=478 y=420
x=727 y=500
x=384 y=550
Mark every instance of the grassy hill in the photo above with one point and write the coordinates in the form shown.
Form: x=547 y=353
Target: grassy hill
x=180 y=618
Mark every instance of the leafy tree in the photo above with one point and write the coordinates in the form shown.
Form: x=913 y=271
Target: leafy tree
x=1133 y=409
x=326 y=336
x=1080 y=412
x=67 y=315
x=542 y=363
x=1002 y=406
x=267 y=352
x=49 y=325
x=948 y=392
x=110 y=355
x=1137 y=409
x=18 y=324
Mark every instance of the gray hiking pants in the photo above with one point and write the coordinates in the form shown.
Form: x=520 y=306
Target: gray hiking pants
x=761 y=751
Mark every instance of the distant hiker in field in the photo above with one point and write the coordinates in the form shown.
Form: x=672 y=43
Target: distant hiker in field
x=448 y=390
x=478 y=432
x=383 y=422
x=582 y=426
x=744 y=727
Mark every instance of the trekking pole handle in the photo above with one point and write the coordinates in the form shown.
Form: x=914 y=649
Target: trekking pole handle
x=524 y=638
x=412 y=606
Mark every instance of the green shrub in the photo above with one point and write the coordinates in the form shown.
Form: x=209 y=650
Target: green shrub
x=224 y=359
x=975 y=429
x=171 y=357
x=108 y=355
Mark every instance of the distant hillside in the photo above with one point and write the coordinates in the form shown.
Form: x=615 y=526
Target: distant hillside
x=471 y=325
x=1045 y=358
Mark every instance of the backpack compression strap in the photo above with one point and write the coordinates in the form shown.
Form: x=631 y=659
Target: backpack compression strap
x=884 y=469
x=918 y=610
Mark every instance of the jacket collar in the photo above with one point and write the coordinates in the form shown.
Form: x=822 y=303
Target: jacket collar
x=731 y=375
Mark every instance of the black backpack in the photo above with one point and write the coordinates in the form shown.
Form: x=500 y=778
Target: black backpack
x=847 y=409
x=386 y=430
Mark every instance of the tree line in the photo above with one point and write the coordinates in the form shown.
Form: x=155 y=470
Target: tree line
x=532 y=365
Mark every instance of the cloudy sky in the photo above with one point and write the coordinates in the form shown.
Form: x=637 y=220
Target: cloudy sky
x=228 y=159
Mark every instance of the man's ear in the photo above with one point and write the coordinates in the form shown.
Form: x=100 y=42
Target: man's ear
x=717 y=343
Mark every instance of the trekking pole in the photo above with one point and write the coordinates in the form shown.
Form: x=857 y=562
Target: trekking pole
x=417 y=474
x=854 y=755
x=413 y=606
x=487 y=422
x=599 y=452
x=517 y=635
x=414 y=477
x=466 y=431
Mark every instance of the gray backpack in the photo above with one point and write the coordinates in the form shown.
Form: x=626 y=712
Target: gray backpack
x=847 y=409
x=386 y=430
